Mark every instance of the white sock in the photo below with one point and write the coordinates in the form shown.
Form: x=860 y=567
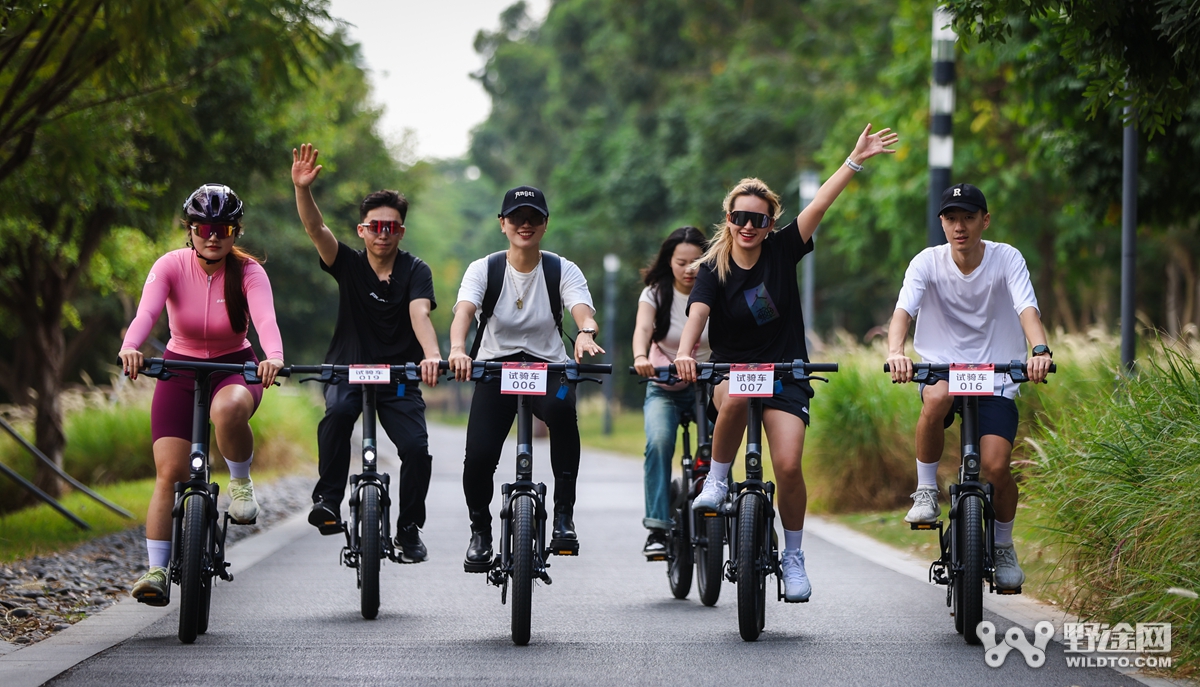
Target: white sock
x=240 y=470
x=792 y=538
x=159 y=552
x=1003 y=531
x=926 y=474
x=719 y=471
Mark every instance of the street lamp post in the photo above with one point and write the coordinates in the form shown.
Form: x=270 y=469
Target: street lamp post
x=941 y=112
x=612 y=263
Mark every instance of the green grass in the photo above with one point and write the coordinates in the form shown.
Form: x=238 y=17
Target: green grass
x=40 y=529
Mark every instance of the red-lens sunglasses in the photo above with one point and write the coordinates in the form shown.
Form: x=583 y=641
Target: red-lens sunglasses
x=207 y=231
x=387 y=227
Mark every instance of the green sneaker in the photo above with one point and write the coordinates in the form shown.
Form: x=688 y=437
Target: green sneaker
x=151 y=588
x=242 y=506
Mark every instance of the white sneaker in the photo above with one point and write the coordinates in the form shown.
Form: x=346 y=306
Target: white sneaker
x=1008 y=571
x=925 y=507
x=711 y=496
x=796 y=586
x=242 y=506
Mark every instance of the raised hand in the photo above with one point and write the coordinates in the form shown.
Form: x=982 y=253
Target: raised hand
x=869 y=145
x=304 y=165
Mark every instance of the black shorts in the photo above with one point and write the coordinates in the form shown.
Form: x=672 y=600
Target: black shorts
x=791 y=397
x=997 y=414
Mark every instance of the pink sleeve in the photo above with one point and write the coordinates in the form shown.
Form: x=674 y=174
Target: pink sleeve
x=262 y=310
x=154 y=297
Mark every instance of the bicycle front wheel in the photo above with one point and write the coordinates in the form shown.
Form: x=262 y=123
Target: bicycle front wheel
x=751 y=580
x=370 y=548
x=968 y=587
x=193 y=544
x=679 y=566
x=710 y=558
x=522 y=567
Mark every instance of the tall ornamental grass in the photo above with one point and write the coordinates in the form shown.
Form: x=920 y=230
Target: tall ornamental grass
x=1118 y=476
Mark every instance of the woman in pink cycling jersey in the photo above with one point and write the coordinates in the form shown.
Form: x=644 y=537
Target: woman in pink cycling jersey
x=210 y=289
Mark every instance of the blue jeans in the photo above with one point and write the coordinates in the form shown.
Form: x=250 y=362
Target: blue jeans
x=661 y=411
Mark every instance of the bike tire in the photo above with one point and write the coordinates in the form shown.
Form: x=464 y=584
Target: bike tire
x=193 y=544
x=206 y=586
x=751 y=582
x=969 y=586
x=370 y=548
x=523 y=542
x=710 y=559
x=679 y=564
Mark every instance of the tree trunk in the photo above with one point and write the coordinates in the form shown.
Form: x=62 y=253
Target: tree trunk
x=50 y=348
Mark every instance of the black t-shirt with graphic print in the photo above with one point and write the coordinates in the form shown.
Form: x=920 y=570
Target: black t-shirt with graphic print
x=373 y=324
x=755 y=315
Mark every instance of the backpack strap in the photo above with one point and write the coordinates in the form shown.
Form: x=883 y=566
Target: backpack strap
x=552 y=271
x=495 y=282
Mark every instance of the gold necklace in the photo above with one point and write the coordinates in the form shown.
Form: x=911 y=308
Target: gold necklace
x=512 y=280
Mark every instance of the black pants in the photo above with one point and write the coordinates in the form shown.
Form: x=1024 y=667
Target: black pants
x=403 y=418
x=492 y=415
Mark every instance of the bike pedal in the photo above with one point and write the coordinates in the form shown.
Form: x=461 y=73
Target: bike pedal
x=153 y=600
x=924 y=525
x=709 y=513
x=477 y=567
x=1007 y=592
x=246 y=523
x=656 y=558
x=788 y=601
x=564 y=547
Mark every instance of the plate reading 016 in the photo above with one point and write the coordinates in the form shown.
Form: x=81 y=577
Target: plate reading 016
x=523 y=378
x=369 y=374
x=972 y=380
x=753 y=379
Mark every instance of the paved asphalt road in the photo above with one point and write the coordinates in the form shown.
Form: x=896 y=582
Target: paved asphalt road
x=608 y=618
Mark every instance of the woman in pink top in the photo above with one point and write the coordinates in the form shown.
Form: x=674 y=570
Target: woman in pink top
x=211 y=290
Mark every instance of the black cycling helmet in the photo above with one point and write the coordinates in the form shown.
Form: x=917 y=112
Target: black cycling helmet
x=216 y=203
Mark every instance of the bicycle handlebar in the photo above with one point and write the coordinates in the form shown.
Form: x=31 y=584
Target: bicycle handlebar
x=717 y=372
x=160 y=368
x=1015 y=370
x=329 y=373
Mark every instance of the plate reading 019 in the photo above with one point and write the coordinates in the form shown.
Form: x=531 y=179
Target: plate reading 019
x=523 y=378
x=369 y=374
x=753 y=379
x=972 y=380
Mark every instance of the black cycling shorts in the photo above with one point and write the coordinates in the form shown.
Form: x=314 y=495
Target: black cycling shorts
x=997 y=414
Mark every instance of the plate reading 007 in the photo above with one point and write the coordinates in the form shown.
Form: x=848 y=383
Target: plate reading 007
x=369 y=374
x=972 y=380
x=523 y=378
x=753 y=380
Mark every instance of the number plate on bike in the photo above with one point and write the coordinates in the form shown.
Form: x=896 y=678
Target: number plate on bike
x=523 y=378
x=972 y=380
x=369 y=374
x=754 y=379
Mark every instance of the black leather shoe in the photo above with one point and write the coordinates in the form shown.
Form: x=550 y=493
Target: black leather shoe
x=325 y=517
x=412 y=549
x=479 y=552
x=563 y=541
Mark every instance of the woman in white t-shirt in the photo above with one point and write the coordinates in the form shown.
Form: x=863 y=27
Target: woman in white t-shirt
x=661 y=315
x=522 y=327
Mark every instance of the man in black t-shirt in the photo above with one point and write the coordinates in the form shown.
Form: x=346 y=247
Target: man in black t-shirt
x=385 y=296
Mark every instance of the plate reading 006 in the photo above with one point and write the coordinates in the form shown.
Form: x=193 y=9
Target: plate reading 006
x=972 y=380
x=523 y=378
x=753 y=379
x=369 y=374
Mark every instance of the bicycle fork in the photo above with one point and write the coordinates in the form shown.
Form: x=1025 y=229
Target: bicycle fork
x=370 y=476
x=523 y=487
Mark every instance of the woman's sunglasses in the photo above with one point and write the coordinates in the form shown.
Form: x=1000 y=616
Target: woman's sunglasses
x=387 y=227
x=757 y=219
x=207 y=231
x=519 y=218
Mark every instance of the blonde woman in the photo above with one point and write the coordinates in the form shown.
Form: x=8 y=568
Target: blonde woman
x=746 y=286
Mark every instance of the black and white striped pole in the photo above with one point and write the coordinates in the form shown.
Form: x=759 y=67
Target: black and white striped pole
x=941 y=110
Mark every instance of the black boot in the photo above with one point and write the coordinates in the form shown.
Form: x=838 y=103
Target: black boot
x=563 y=541
x=479 y=552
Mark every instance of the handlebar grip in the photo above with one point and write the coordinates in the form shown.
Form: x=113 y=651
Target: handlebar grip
x=594 y=368
x=821 y=367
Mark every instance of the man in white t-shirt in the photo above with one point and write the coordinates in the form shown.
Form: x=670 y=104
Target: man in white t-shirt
x=521 y=328
x=974 y=303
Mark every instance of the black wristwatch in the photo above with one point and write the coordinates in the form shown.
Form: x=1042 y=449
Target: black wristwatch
x=1042 y=348
x=588 y=330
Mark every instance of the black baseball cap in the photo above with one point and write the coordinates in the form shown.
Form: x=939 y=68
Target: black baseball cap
x=523 y=197
x=963 y=196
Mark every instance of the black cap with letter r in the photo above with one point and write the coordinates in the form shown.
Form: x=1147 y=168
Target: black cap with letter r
x=523 y=197
x=965 y=197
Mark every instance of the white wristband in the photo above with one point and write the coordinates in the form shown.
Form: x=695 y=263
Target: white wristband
x=853 y=165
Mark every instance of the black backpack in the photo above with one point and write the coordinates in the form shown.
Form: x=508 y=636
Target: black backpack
x=551 y=270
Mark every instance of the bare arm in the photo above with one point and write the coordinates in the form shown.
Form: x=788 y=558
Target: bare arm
x=901 y=364
x=304 y=172
x=868 y=146
x=418 y=312
x=685 y=364
x=459 y=361
x=584 y=343
x=1037 y=366
x=642 y=332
